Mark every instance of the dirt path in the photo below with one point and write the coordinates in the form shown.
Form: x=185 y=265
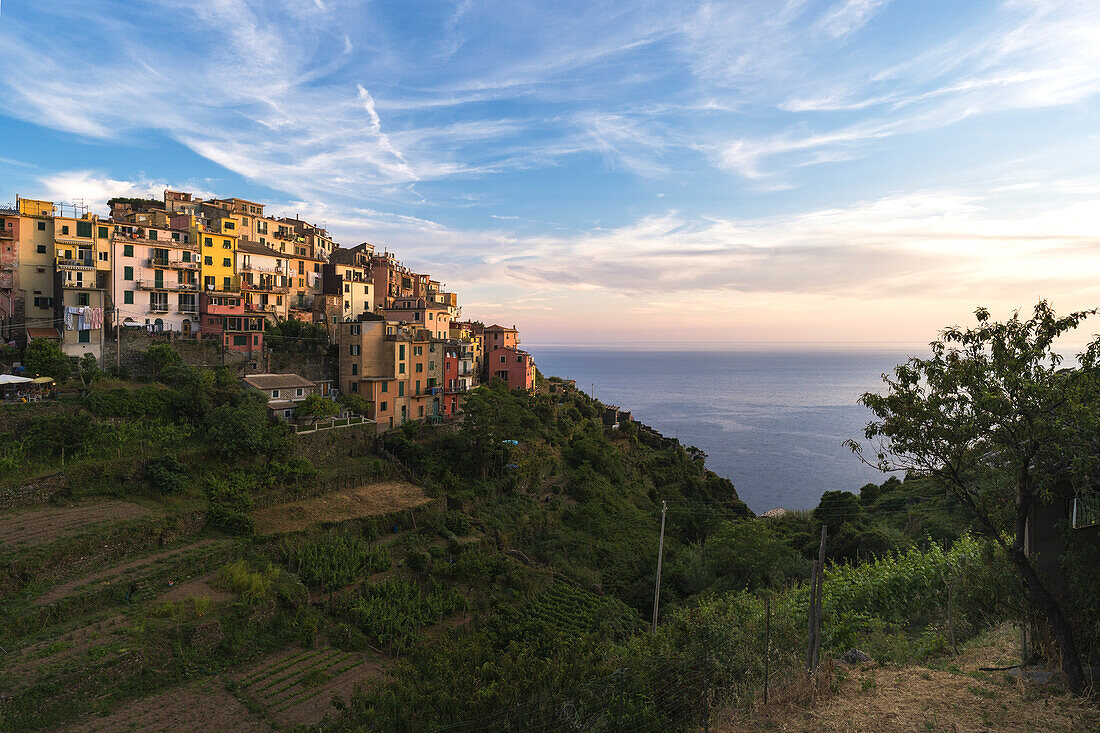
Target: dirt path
x=29 y=528
x=959 y=698
x=126 y=572
x=364 y=501
x=205 y=706
x=295 y=687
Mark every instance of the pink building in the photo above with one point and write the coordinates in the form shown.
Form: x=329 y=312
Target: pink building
x=501 y=337
x=223 y=316
x=514 y=366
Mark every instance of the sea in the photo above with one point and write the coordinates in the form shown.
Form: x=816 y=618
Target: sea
x=772 y=419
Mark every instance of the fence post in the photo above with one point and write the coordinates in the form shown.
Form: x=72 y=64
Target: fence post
x=819 y=596
x=767 y=639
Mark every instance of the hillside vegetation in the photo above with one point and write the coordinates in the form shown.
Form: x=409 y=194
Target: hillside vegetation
x=492 y=574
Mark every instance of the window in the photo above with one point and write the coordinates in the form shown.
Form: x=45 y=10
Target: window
x=287 y=413
x=354 y=368
x=153 y=234
x=401 y=368
x=175 y=236
x=354 y=350
x=128 y=297
x=82 y=299
x=354 y=386
x=226 y=283
x=226 y=244
x=127 y=273
x=400 y=389
x=347 y=288
x=208 y=260
x=84 y=229
x=401 y=351
x=1086 y=509
x=431 y=316
x=103 y=256
x=519 y=359
x=419 y=367
x=65 y=229
x=383 y=406
x=366 y=290
x=431 y=365
x=298 y=392
x=84 y=337
x=418 y=386
x=231 y=225
x=385 y=388
x=503 y=359
x=103 y=233
x=186 y=256
x=240 y=340
x=41 y=249
x=208 y=242
x=41 y=226
x=128 y=250
x=274 y=393
x=226 y=262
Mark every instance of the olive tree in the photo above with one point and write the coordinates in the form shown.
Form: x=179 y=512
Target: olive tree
x=995 y=421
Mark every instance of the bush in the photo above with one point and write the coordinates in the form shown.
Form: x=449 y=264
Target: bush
x=457 y=523
x=334 y=561
x=166 y=474
x=251 y=585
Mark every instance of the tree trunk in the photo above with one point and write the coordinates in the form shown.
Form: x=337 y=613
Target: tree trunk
x=1063 y=632
x=1038 y=594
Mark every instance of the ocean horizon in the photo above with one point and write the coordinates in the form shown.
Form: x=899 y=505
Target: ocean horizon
x=772 y=418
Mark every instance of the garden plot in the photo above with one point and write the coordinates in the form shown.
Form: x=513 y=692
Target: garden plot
x=203 y=706
x=383 y=497
x=295 y=687
x=144 y=572
x=24 y=529
x=22 y=666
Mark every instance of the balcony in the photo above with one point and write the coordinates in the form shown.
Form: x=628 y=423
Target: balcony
x=76 y=263
x=259 y=308
x=79 y=285
x=190 y=310
x=159 y=262
x=158 y=307
x=161 y=285
x=6 y=233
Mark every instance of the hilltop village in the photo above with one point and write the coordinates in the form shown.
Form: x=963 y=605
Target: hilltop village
x=221 y=269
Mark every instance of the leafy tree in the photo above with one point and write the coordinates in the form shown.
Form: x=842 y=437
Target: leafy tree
x=991 y=418
x=87 y=369
x=160 y=356
x=245 y=430
x=45 y=357
x=357 y=403
x=317 y=407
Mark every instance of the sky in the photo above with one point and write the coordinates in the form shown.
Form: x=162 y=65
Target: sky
x=809 y=171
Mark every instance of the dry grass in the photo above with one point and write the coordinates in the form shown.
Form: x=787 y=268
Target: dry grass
x=370 y=500
x=958 y=698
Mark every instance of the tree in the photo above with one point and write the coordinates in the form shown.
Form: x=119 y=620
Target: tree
x=45 y=357
x=160 y=356
x=316 y=407
x=357 y=403
x=87 y=369
x=993 y=419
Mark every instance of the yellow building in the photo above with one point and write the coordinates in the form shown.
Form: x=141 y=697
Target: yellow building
x=34 y=278
x=82 y=248
x=217 y=240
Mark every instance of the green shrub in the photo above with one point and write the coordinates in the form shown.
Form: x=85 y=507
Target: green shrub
x=166 y=474
x=334 y=561
x=251 y=585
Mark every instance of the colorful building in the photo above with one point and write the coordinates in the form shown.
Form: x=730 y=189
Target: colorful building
x=222 y=316
x=265 y=279
x=155 y=281
x=514 y=366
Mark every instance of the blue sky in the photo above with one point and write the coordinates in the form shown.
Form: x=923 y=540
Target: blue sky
x=810 y=171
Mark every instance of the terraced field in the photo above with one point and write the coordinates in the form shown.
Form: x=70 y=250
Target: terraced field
x=206 y=706
x=24 y=529
x=21 y=667
x=370 y=500
x=145 y=572
x=295 y=687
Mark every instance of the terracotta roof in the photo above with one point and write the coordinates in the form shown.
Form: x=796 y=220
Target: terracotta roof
x=43 y=333
x=495 y=327
x=255 y=248
x=277 y=381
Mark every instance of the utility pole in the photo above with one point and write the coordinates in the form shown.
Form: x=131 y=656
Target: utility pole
x=660 y=557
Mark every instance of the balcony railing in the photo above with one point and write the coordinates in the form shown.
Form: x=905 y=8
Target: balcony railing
x=81 y=263
x=188 y=309
x=159 y=262
x=158 y=307
x=161 y=285
x=6 y=233
x=79 y=284
x=173 y=264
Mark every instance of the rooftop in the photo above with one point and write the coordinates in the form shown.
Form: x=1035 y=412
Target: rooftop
x=276 y=381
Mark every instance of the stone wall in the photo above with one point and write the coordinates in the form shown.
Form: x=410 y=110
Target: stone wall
x=39 y=491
